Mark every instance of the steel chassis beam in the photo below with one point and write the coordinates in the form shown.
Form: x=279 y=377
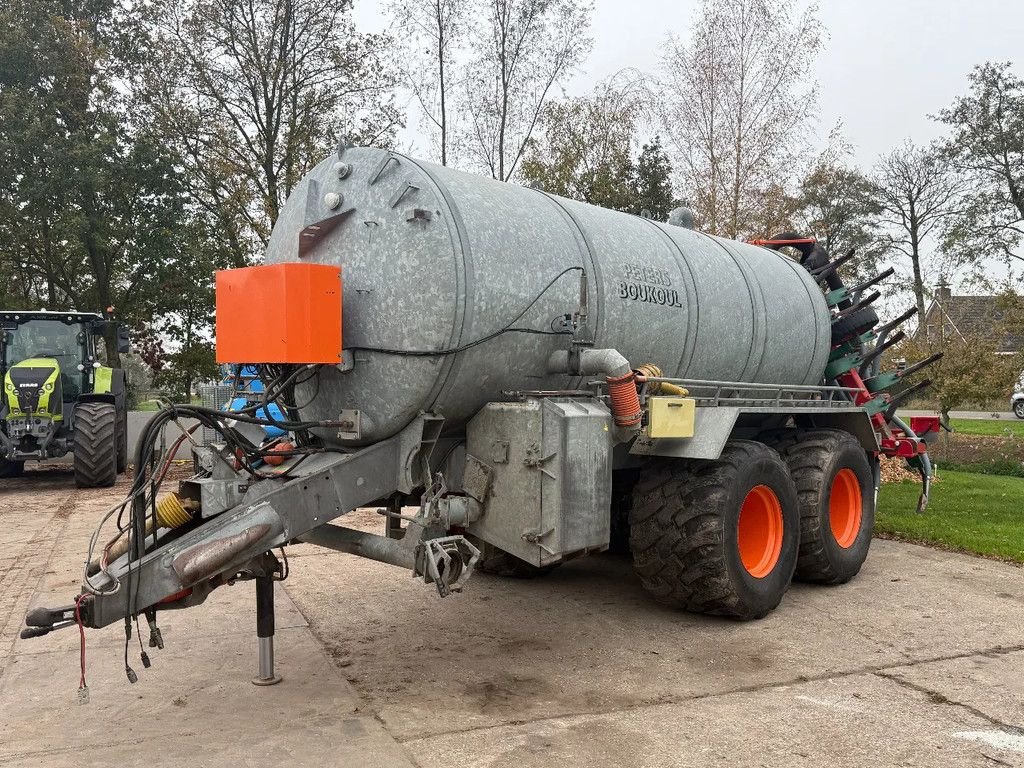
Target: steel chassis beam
x=272 y=513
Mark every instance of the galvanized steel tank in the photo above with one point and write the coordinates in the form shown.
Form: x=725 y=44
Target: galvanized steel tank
x=434 y=258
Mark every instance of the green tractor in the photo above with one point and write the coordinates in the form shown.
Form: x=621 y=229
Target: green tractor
x=58 y=398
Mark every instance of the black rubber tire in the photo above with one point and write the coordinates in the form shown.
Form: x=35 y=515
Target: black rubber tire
x=623 y=482
x=498 y=562
x=684 y=531
x=11 y=468
x=1018 y=409
x=814 y=459
x=95 y=445
x=122 y=442
x=853 y=325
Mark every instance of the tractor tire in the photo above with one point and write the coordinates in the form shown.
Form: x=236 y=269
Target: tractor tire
x=95 y=445
x=498 y=562
x=835 y=484
x=718 y=537
x=122 y=442
x=11 y=468
x=623 y=482
x=851 y=326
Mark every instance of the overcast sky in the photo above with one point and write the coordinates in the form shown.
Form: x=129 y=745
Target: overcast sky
x=886 y=65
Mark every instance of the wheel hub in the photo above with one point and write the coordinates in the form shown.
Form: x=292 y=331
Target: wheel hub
x=845 y=507
x=759 y=531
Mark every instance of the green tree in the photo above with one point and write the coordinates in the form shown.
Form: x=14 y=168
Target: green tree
x=587 y=151
x=89 y=201
x=837 y=204
x=652 y=182
x=586 y=146
x=45 y=65
x=186 y=321
x=986 y=145
x=185 y=368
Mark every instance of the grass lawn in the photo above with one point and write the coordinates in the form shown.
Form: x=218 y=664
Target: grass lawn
x=983 y=514
x=998 y=428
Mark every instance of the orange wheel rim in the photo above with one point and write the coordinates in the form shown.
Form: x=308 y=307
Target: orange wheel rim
x=759 y=531
x=845 y=508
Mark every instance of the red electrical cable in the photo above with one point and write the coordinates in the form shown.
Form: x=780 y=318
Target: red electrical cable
x=104 y=556
x=81 y=635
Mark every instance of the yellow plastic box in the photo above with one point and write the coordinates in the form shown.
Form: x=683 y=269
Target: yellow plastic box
x=670 y=416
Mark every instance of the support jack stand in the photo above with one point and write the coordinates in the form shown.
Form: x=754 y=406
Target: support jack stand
x=265 y=631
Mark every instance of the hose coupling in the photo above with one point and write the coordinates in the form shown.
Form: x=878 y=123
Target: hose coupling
x=652 y=371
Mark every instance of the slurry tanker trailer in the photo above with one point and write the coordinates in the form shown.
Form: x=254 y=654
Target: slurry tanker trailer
x=538 y=379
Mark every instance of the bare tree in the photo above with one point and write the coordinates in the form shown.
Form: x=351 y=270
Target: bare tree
x=519 y=50
x=431 y=33
x=918 y=192
x=737 y=103
x=252 y=93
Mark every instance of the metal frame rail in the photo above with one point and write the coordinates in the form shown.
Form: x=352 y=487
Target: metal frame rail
x=709 y=392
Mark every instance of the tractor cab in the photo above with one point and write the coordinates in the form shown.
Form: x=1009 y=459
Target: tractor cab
x=49 y=362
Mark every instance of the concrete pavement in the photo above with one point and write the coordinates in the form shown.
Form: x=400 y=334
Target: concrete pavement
x=582 y=668
x=917 y=662
x=196 y=706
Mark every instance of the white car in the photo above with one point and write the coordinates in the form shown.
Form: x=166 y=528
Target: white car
x=1017 y=404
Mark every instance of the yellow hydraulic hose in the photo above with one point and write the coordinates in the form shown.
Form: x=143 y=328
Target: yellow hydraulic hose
x=660 y=387
x=171 y=512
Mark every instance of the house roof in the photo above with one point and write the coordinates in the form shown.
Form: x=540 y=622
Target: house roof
x=974 y=317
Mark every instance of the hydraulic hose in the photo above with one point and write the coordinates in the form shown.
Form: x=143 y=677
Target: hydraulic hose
x=171 y=512
x=650 y=370
x=625 y=400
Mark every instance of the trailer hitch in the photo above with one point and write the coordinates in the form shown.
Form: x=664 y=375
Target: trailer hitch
x=43 y=621
x=447 y=562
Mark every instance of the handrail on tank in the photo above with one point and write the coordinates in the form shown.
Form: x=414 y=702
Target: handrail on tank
x=778 y=395
x=709 y=383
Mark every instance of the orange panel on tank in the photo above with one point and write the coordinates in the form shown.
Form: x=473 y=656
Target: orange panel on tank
x=279 y=313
